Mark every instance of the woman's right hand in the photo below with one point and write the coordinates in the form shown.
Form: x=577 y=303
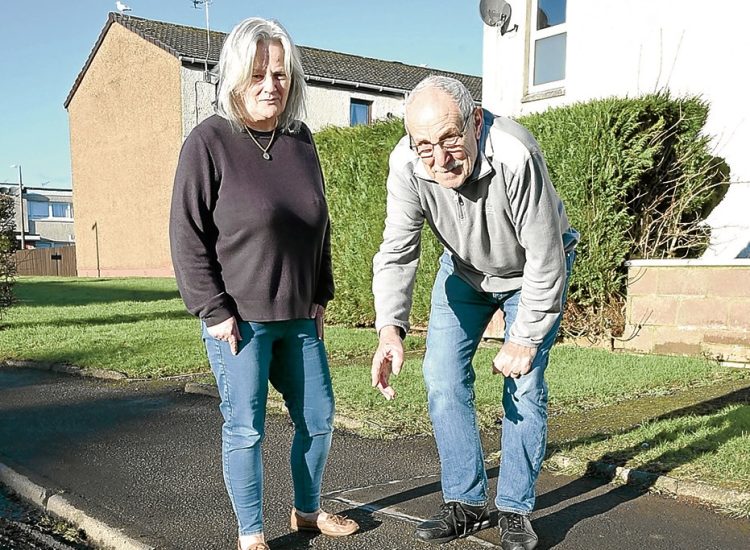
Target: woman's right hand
x=227 y=331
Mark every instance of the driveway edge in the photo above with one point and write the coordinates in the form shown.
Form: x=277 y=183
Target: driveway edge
x=67 y=369
x=703 y=492
x=98 y=532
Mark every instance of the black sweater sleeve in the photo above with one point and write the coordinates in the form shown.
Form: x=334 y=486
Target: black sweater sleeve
x=193 y=234
x=325 y=290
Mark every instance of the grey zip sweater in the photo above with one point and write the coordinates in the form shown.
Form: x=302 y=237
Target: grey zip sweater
x=505 y=228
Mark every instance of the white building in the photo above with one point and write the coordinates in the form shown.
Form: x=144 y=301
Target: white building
x=566 y=51
x=45 y=219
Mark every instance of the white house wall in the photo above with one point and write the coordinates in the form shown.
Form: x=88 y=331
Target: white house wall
x=197 y=98
x=328 y=106
x=640 y=46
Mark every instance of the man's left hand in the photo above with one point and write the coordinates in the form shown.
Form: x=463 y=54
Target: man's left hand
x=513 y=360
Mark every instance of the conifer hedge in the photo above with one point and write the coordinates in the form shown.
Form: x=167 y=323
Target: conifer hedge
x=636 y=175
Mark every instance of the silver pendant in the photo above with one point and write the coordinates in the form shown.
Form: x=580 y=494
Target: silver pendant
x=266 y=156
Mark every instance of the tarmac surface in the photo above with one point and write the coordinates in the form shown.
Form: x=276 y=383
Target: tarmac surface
x=142 y=462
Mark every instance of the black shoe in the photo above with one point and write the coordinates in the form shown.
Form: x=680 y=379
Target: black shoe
x=516 y=532
x=454 y=520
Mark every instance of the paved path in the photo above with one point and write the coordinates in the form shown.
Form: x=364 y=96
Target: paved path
x=144 y=458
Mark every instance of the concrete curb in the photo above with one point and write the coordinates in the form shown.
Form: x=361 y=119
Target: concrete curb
x=98 y=532
x=703 y=492
x=68 y=369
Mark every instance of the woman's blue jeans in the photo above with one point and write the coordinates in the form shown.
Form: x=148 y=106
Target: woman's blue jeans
x=290 y=356
x=458 y=319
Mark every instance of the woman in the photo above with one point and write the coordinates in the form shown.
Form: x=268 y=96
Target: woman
x=250 y=239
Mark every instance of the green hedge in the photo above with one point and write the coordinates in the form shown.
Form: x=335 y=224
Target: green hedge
x=636 y=176
x=355 y=164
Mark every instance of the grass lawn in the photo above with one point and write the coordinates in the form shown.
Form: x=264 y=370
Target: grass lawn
x=140 y=327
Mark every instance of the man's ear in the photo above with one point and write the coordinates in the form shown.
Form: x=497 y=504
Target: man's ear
x=478 y=121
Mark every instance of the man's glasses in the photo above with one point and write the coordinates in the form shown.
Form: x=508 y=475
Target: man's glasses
x=451 y=144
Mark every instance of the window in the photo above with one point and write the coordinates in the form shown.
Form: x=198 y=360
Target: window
x=359 y=112
x=61 y=210
x=38 y=210
x=42 y=210
x=548 y=39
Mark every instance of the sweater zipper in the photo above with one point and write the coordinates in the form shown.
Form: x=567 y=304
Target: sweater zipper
x=459 y=205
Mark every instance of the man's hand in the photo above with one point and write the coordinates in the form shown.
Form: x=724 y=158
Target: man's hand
x=228 y=331
x=388 y=358
x=318 y=312
x=513 y=360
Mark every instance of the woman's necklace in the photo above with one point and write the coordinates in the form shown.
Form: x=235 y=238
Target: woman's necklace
x=266 y=154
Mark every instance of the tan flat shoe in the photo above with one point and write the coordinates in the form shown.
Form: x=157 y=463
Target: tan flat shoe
x=328 y=524
x=256 y=546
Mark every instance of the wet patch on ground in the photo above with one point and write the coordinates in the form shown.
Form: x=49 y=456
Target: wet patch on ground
x=578 y=426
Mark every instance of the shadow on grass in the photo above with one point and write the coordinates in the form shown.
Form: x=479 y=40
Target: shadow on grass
x=118 y=319
x=556 y=525
x=78 y=292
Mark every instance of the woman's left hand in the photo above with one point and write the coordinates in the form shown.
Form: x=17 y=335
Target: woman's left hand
x=317 y=312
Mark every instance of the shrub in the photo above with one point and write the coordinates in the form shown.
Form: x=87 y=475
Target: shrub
x=7 y=246
x=355 y=164
x=636 y=176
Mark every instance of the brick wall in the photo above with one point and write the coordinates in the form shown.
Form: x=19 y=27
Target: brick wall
x=689 y=307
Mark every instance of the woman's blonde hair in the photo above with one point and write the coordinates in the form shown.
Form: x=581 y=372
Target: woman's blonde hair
x=236 y=67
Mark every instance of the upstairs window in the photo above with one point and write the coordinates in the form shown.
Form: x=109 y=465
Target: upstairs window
x=39 y=210
x=359 y=112
x=61 y=210
x=548 y=37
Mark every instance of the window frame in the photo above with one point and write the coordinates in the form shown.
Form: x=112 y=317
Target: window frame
x=31 y=204
x=68 y=210
x=555 y=87
x=363 y=102
x=50 y=211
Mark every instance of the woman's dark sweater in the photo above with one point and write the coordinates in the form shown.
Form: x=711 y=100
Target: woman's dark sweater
x=250 y=237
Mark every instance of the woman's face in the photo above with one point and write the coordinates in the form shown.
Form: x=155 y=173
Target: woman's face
x=268 y=89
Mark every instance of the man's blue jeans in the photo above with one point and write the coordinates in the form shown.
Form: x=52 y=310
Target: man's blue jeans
x=290 y=355
x=458 y=319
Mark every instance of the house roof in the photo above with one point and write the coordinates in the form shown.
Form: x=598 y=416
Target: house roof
x=189 y=44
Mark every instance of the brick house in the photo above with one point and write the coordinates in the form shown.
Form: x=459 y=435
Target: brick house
x=144 y=86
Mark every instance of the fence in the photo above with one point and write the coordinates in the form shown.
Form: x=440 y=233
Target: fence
x=47 y=261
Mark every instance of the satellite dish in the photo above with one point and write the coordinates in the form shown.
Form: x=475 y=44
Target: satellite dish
x=496 y=13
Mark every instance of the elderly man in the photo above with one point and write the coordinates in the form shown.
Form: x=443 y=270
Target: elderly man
x=481 y=183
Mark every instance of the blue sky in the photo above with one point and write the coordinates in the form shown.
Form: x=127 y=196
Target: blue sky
x=46 y=42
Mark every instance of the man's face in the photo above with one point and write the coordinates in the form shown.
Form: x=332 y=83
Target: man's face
x=434 y=123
